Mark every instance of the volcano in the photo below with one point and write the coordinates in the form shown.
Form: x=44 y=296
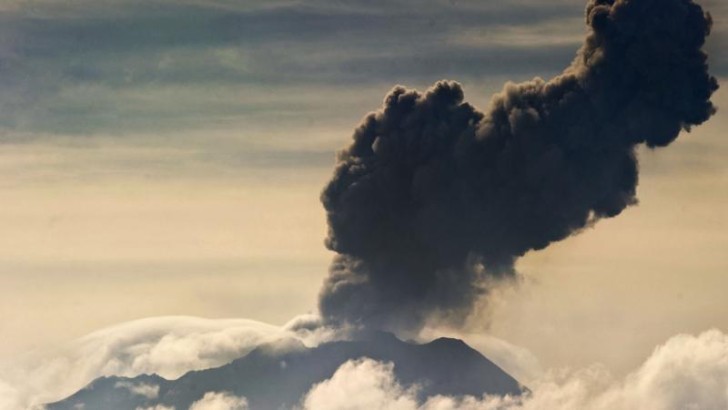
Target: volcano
x=277 y=376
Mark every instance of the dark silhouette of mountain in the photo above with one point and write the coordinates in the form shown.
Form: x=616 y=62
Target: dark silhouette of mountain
x=274 y=378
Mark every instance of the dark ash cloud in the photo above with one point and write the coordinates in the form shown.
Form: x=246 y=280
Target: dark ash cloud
x=433 y=198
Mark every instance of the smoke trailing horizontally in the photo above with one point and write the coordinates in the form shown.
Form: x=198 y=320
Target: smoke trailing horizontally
x=434 y=199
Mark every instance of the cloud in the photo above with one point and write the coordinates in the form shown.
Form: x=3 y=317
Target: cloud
x=167 y=346
x=9 y=397
x=565 y=32
x=220 y=401
x=171 y=346
x=361 y=384
x=140 y=389
x=99 y=66
x=157 y=407
x=687 y=372
x=434 y=200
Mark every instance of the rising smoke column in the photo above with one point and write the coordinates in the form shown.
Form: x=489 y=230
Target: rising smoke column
x=434 y=199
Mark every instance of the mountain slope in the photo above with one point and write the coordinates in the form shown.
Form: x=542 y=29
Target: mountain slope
x=273 y=378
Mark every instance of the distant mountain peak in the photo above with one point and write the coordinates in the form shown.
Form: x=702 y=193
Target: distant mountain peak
x=449 y=341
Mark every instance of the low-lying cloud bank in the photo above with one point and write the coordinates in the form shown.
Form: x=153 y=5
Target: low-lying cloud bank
x=167 y=346
x=687 y=372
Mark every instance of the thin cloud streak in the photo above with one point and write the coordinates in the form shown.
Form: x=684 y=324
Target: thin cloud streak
x=73 y=73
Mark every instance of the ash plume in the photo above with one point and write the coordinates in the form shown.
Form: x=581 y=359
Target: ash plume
x=433 y=200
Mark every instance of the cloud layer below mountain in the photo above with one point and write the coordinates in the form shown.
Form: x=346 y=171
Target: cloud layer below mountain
x=687 y=372
x=167 y=346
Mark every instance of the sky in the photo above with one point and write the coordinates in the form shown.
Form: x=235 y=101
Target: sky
x=166 y=158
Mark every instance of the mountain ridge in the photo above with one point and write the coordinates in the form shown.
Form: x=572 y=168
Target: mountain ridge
x=273 y=378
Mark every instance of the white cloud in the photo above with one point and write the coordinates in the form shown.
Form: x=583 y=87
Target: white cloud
x=157 y=407
x=220 y=401
x=149 y=391
x=167 y=346
x=559 y=32
x=361 y=384
x=8 y=397
x=687 y=372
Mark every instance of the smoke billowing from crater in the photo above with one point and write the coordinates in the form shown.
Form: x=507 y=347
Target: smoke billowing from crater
x=434 y=199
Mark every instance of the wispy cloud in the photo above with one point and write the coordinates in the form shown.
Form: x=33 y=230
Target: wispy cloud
x=168 y=346
x=129 y=66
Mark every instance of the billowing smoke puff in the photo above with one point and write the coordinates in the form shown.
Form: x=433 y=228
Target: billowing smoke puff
x=433 y=199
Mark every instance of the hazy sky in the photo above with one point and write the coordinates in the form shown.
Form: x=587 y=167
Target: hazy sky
x=166 y=157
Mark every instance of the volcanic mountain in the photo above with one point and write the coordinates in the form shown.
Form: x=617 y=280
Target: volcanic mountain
x=278 y=376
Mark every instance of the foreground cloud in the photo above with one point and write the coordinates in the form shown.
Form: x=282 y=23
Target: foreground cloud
x=220 y=401
x=687 y=372
x=361 y=384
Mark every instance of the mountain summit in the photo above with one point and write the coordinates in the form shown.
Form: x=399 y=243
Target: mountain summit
x=275 y=377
